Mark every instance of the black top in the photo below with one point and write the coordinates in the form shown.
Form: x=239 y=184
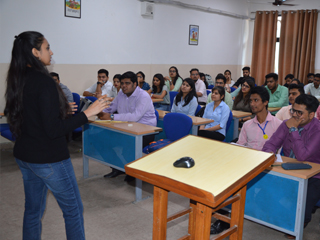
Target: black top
x=240 y=81
x=43 y=132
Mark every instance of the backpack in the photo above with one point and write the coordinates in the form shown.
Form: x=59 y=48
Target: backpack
x=84 y=104
x=153 y=146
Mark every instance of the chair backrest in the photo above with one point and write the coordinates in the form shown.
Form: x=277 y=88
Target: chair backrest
x=232 y=89
x=210 y=86
x=92 y=99
x=157 y=114
x=172 y=96
x=176 y=125
x=198 y=109
x=8 y=135
x=229 y=121
x=208 y=92
x=76 y=99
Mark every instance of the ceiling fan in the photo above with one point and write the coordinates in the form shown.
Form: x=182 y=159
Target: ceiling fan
x=276 y=3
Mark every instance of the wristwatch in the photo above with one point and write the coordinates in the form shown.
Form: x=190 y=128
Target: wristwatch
x=292 y=129
x=112 y=117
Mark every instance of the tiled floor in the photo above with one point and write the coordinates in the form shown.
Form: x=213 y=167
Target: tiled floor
x=108 y=209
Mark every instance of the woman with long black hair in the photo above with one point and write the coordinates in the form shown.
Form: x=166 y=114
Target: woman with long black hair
x=173 y=81
x=186 y=100
x=37 y=111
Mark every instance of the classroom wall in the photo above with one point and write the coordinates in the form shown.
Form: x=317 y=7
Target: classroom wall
x=261 y=6
x=113 y=35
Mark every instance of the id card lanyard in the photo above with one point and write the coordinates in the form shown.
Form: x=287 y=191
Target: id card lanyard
x=265 y=136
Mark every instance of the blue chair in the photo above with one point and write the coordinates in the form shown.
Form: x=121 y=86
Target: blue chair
x=92 y=99
x=228 y=124
x=197 y=110
x=210 y=86
x=157 y=114
x=76 y=99
x=172 y=96
x=4 y=126
x=8 y=135
x=232 y=89
x=208 y=92
x=176 y=125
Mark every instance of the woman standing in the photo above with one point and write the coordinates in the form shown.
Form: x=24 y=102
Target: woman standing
x=186 y=101
x=242 y=100
x=37 y=112
x=218 y=111
x=160 y=91
x=173 y=82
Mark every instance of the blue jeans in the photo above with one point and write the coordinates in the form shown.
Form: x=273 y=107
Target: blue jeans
x=160 y=106
x=59 y=177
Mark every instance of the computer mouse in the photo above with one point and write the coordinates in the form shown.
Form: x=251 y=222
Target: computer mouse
x=185 y=162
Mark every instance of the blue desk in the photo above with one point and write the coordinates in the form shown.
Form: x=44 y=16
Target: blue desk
x=115 y=145
x=277 y=198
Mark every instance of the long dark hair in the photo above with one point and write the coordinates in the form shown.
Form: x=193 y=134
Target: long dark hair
x=177 y=75
x=239 y=97
x=22 y=58
x=154 y=88
x=189 y=96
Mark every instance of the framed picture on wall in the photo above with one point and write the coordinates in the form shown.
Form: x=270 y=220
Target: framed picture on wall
x=72 y=8
x=193 y=34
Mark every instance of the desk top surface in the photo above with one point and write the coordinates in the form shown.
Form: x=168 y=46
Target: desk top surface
x=129 y=127
x=274 y=109
x=219 y=167
x=303 y=173
x=155 y=100
x=240 y=114
x=195 y=120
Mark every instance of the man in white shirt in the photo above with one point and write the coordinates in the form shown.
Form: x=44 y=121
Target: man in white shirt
x=314 y=88
x=102 y=87
x=200 y=86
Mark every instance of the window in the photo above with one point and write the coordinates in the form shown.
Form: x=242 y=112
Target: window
x=276 y=60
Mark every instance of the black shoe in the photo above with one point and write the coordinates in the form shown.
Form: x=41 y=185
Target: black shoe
x=129 y=178
x=114 y=173
x=218 y=227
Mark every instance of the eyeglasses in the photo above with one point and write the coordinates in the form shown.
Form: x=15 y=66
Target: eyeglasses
x=172 y=71
x=195 y=74
x=299 y=113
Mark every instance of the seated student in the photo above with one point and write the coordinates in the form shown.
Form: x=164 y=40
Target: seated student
x=116 y=86
x=310 y=78
x=246 y=74
x=299 y=136
x=227 y=74
x=242 y=100
x=255 y=132
x=236 y=92
x=314 y=88
x=295 y=81
x=218 y=111
x=160 y=90
x=221 y=81
x=141 y=81
x=294 y=91
x=200 y=86
x=131 y=104
x=288 y=80
x=278 y=94
x=102 y=87
x=318 y=113
x=203 y=78
x=186 y=100
x=174 y=81
x=64 y=88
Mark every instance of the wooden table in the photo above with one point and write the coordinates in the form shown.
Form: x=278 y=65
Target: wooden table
x=220 y=171
x=156 y=100
x=114 y=144
x=276 y=198
x=236 y=116
x=1 y=115
x=196 y=121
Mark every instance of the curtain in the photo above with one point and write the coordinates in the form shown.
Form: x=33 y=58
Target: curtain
x=264 y=44
x=297 y=44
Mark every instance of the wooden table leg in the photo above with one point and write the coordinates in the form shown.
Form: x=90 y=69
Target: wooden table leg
x=160 y=212
x=237 y=214
x=192 y=220
x=203 y=222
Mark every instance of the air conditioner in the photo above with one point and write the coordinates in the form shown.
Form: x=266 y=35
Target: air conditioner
x=147 y=9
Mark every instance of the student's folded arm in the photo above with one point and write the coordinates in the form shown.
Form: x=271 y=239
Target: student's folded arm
x=277 y=139
x=162 y=95
x=199 y=94
x=177 y=85
x=214 y=128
